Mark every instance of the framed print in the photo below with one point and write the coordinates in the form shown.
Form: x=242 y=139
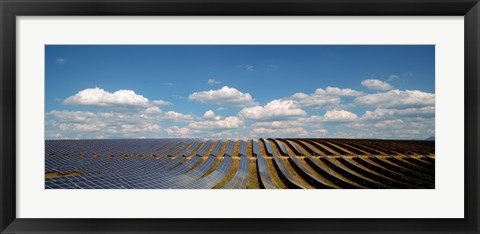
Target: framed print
x=160 y=116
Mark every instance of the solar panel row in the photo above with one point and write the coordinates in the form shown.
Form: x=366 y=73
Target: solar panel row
x=239 y=181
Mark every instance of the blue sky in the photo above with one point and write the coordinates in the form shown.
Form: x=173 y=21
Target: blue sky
x=239 y=91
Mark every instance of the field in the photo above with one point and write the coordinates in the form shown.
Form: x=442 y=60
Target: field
x=280 y=163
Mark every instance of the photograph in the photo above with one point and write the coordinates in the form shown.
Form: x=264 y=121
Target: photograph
x=241 y=116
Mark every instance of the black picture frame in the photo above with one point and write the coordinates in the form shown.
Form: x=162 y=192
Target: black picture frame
x=470 y=9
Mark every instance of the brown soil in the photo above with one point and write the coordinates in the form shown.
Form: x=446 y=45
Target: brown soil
x=249 y=148
x=56 y=174
x=252 y=178
x=236 y=148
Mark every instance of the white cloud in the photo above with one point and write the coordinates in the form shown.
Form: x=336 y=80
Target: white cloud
x=340 y=92
x=320 y=131
x=134 y=128
x=260 y=131
x=176 y=131
x=210 y=115
x=380 y=113
x=276 y=109
x=161 y=103
x=153 y=109
x=84 y=127
x=177 y=117
x=311 y=121
x=398 y=99
x=389 y=123
x=213 y=81
x=80 y=124
x=224 y=96
x=339 y=116
x=417 y=128
x=316 y=100
x=279 y=124
x=377 y=84
x=322 y=97
x=101 y=98
x=230 y=122
x=286 y=132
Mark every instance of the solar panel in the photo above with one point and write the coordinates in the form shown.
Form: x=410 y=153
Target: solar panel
x=315 y=180
x=265 y=178
x=229 y=149
x=184 y=180
x=268 y=147
x=243 y=148
x=239 y=181
x=281 y=148
x=205 y=148
x=180 y=148
x=196 y=145
x=216 y=149
x=255 y=148
x=293 y=147
x=289 y=177
x=213 y=178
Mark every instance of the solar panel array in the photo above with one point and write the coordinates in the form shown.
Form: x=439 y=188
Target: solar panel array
x=273 y=163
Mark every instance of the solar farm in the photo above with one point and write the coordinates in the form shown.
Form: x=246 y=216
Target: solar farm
x=266 y=163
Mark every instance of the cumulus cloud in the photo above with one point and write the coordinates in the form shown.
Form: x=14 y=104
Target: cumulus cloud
x=224 y=96
x=230 y=122
x=122 y=98
x=176 y=117
x=176 y=131
x=274 y=110
x=316 y=100
x=418 y=128
x=320 y=131
x=339 y=92
x=279 y=124
x=210 y=115
x=161 y=103
x=153 y=109
x=102 y=98
x=84 y=124
x=322 y=97
x=377 y=84
x=310 y=121
x=339 y=116
x=134 y=128
x=389 y=123
x=84 y=127
x=381 y=113
x=213 y=81
x=286 y=132
x=397 y=99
